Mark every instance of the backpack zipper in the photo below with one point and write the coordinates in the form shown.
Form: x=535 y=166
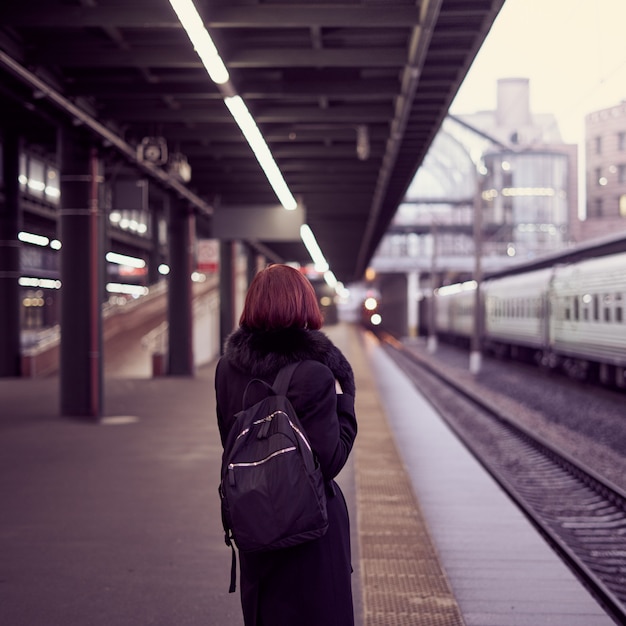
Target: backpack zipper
x=232 y=466
x=300 y=434
x=267 y=418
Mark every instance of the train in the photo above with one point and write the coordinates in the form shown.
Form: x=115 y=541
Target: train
x=569 y=316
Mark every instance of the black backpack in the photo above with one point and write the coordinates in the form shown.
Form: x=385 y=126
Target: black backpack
x=272 y=489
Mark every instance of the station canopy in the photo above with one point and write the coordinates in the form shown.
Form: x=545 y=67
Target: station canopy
x=347 y=95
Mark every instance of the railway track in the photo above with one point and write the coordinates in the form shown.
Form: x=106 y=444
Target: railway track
x=579 y=513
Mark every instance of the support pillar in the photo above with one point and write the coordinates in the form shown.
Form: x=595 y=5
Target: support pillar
x=180 y=295
x=156 y=210
x=10 y=223
x=413 y=280
x=252 y=263
x=227 y=291
x=81 y=374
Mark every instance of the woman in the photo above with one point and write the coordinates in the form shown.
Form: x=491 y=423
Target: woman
x=308 y=584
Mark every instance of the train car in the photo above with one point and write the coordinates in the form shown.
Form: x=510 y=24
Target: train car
x=454 y=311
x=516 y=314
x=588 y=317
x=570 y=316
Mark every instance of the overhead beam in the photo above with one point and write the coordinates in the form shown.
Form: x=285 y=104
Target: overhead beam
x=184 y=57
x=361 y=89
x=154 y=15
x=348 y=114
x=101 y=130
x=213 y=135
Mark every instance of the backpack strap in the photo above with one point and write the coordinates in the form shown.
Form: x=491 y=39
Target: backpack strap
x=245 y=402
x=283 y=378
x=228 y=538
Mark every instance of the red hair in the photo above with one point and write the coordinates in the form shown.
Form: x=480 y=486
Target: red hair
x=281 y=297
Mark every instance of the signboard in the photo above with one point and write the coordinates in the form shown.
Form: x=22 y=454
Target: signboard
x=208 y=255
x=258 y=223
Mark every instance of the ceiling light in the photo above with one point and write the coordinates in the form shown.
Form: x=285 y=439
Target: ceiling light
x=330 y=279
x=122 y=259
x=201 y=40
x=321 y=265
x=362 y=142
x=251 y=132
x=131 y=290
x=38 y=240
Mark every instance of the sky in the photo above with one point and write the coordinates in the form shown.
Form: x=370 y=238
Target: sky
x=572 y=51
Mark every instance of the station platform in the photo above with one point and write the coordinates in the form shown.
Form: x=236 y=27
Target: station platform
x=117 y=523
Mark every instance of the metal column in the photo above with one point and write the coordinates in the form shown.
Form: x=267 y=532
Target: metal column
x=81 y=278
x=227 y=279
x=10 y=220
x=156 y=210
x=180 y=311
x=252 y=263
x=413 y=280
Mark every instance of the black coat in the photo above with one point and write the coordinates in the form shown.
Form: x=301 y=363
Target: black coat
x=308 y=584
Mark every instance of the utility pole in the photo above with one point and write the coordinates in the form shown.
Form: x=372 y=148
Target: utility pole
x=432 y=332
x=476 y=348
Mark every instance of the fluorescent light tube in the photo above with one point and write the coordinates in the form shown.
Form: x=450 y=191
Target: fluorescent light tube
x=253 y=135
x=201 y=40
x=122 y=259
x=37 y=240
x=321 y=265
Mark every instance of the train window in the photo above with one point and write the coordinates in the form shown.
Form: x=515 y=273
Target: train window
x=607 y=307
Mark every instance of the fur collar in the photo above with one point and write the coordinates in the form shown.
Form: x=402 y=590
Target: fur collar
x=263 y=353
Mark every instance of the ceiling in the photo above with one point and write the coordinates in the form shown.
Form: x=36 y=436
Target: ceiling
x=310 y=72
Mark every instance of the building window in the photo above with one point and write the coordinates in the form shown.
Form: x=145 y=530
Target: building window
x=622 y=205
x=598 y=143
x=607 y=307
x=597 y=207
x=598 y=175
x=621 y=141
x=621 y=173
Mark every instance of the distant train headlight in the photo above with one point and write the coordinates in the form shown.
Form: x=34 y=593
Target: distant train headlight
x=370 y=304
x=376 y=319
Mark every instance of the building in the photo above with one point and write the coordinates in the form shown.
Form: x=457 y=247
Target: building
x=605 y=151
x=511 y=164
x=526 y=177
